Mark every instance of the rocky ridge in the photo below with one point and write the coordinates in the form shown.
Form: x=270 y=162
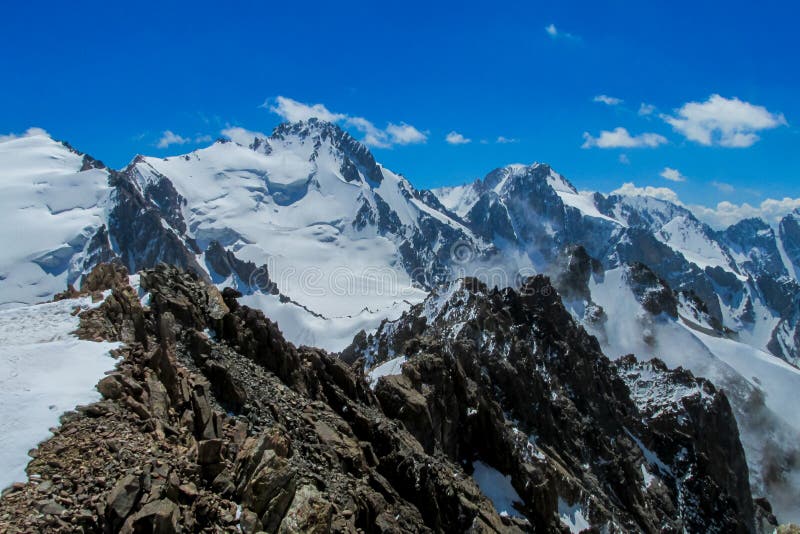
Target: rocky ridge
x=510 y=380
x=233 y=430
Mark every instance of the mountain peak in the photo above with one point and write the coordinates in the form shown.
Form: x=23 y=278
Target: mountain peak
x=310 y=128
x=502 y=177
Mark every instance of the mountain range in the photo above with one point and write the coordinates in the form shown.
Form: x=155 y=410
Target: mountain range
x=348 y=256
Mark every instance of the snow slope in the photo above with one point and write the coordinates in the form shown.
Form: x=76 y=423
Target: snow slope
x=291 y=208
x=44 y=371
x=50 y=209
x=302 y=327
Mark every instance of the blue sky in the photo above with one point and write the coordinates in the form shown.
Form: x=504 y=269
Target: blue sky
x=113 y=78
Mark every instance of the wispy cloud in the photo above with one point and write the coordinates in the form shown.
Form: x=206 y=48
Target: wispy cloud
x=722 y=187
x=30 y=132
x=726 y=122
x=169 y=138
x=393 y=134
x=673 y=175
x=620 y=138
x=646 y=109
x=623 y=158
x=455 y=138
x=503 y=140
x=607 y=100
x=555 y=33
x=241 y=135
x=405 y=134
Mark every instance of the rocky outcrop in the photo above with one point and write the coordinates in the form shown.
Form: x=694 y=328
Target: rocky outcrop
x=223 y=265
x=508 y=379
x=142 y=234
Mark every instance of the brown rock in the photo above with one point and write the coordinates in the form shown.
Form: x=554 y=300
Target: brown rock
x=110 y=388
x=309 y=512
x=156 y=517
x=209 y=451
x=123 y=498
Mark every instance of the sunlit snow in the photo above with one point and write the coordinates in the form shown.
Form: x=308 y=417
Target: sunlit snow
x=44 y=371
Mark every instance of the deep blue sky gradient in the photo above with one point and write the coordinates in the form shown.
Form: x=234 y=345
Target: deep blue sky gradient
x=111 y=77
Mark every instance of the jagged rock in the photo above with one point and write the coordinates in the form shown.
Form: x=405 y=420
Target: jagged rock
x=156 y=517
x=485 y=357
x=309 y=512
x=209 y=451
x=122 y=499
x=51 y=507
x=204 y=420
x=105 y=276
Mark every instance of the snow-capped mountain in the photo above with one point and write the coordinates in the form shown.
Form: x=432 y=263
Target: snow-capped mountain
x=745 y=275
x=293 y=220
x=328 y=243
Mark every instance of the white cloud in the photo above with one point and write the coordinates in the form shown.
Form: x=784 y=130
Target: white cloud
x=171 y=138
x=30 y=132
x=663 y=193
x=726 y=213
x=646 y=109
x=555 y=33
x=294 y=111
x=405 y=134
x=394 y=134
x=608 y=100
x=455 y=138
x=373 y=136
x=620 y=138
x=723 y=187
x=673 y=175
x=503 y=140
x=240 y=135
x=727 y=122
x=623 y=158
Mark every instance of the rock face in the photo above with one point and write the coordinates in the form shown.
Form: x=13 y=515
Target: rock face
x=508 y=379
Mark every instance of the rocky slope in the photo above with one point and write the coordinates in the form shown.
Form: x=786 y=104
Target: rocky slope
x=213 y=420
x=631 y=310
x=510 y=380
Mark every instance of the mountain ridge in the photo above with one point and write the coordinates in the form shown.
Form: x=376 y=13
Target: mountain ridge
x=320 y=237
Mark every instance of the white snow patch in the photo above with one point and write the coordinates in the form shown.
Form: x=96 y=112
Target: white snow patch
x=45 y=371
x=648 y=477
x=572 y=516
x=388 y=368
x=497 y=487
x=584 y=203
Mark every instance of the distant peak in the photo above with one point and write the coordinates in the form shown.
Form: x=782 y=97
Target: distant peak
x=309 y=128
x=526 y=173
